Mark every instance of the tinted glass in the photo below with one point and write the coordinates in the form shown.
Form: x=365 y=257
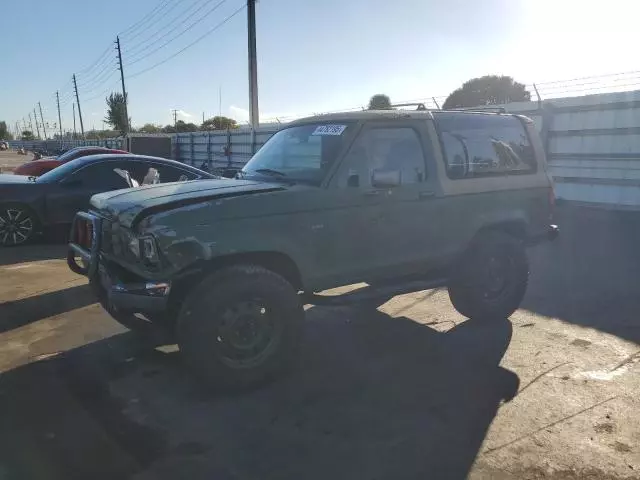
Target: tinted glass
x=304 y=153
x=169 y=173
x=62 y=171
x=105 y=175
x=384 y=149
x=483 y=145
x=69 y=154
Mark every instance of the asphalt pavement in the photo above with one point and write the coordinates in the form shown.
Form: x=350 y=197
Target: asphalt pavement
x=405 y=388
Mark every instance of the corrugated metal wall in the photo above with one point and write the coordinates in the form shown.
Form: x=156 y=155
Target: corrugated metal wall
x=221 y=149
x=593 y=146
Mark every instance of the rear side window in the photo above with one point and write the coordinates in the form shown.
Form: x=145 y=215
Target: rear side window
x=484 y=145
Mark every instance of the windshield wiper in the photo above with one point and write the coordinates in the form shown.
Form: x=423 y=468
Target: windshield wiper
x=269 y=171
x=33 y=178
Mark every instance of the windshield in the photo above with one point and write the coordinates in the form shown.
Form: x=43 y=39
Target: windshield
x=68 y=154
x=304 y=153
x=61 y=172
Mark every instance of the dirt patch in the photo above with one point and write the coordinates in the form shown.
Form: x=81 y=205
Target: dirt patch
x=604 y=428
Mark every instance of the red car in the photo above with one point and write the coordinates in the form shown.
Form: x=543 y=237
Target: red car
x=36 y=168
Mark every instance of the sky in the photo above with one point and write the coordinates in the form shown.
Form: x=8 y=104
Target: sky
x=313 y=56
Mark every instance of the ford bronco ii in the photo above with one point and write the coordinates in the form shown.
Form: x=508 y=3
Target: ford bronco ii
x=332 y=200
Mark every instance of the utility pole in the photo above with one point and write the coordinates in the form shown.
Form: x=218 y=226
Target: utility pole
x=74 y=121
x=124 y=91
x=35 y=117
x=175 y=119
x=59 y=118
x=44 y=127
x=75 y=87
x=253 y=65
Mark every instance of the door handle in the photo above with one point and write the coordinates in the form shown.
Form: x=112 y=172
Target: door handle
x=372 y=193
x=426 y=194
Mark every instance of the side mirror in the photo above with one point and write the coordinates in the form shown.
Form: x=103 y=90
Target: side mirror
x=385 y=178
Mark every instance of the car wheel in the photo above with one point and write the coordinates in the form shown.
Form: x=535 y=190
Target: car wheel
x=240 y=327
x=17 y=225
x=491 y=280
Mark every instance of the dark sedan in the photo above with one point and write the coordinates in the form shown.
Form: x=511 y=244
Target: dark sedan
x=29 y=205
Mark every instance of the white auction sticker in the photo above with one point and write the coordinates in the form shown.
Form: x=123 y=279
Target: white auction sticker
x=329 y=130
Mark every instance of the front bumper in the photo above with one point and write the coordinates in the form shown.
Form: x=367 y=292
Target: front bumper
x=138 y=297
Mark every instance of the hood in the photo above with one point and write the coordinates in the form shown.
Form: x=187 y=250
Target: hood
x=37 y=167
x=8 y=178
x=130 y=203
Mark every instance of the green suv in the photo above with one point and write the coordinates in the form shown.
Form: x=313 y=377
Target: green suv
x=448 y=197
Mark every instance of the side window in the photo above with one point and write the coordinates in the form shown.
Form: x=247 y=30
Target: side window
x=167 y=173
x=104 y=176
x=389 y=149
x=484 y=145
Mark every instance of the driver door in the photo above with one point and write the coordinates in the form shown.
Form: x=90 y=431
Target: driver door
x=73 y=193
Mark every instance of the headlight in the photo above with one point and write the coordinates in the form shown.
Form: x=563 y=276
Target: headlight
x=148 y=250
x=142 y=248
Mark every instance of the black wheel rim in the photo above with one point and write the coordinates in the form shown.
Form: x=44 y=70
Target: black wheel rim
x=496 y=277
x=247 y=333
x=16 y=226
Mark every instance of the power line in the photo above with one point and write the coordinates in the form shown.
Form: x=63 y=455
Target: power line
x=200 y=38
x=175 y=3
x=136 y=48
x=203 y=17
x=100 y=58
x=144 y=18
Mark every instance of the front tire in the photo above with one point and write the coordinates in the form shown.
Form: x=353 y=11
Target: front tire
x=492 y=278
x=240 y=327
x=18 y=225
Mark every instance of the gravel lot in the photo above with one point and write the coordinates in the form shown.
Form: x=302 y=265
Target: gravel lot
x=10 y=160
x=401 y=389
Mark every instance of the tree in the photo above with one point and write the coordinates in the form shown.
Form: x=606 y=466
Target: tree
x=28 y=135
x=150 y=128
x=219 y=123
x=379 y=102
x=116 y=112
x=4 y=132
x=487 y=90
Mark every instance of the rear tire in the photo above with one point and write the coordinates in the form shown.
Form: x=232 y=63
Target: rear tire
x=492 y=277
x=240 y=327
x=18 y=225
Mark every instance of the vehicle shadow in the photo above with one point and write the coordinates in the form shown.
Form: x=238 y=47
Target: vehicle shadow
x=31 y=253
x=589 y=276
x=372 y=397
x=14 y=314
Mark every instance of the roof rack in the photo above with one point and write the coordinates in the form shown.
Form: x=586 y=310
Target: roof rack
x=480 y=109
x=419 y=106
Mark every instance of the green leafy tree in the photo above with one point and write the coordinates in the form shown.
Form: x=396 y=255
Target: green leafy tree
x=487 y=90
x=4 y=132
x=379 y=102
x=27 y=135
x=219 y=123
x=150 y=128
x=116 y=109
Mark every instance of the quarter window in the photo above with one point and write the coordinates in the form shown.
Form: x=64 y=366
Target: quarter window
x=484 y=145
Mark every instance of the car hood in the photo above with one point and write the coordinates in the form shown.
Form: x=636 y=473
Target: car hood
x=130 y=204
x=8 y=178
